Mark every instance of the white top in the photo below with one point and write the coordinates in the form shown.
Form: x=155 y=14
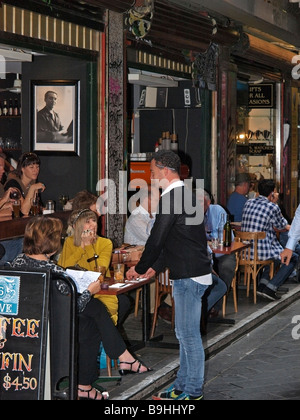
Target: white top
x=138 y=226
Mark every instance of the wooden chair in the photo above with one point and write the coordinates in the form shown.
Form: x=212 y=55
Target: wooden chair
x=252 y=267
x=163 y=286
x=108 y=365
x=137 y=301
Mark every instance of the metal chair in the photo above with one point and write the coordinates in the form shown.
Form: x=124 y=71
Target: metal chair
x=253 y=266
x=163 y=286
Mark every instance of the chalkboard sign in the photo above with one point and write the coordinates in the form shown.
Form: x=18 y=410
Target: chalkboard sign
x=24 y=301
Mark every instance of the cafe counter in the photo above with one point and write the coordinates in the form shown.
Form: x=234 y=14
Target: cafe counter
x=15 y=228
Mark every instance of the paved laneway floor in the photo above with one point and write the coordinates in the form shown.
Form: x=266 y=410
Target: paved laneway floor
x=263 y=365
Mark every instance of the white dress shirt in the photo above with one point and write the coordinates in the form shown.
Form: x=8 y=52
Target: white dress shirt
x=294 y=232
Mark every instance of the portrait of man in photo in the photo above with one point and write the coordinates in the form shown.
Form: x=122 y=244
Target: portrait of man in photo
x=49 y=126
x=55 y=109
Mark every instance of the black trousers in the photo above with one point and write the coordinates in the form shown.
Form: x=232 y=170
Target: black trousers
x=95 y=325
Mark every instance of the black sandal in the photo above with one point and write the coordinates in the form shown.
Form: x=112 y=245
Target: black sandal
x=104 y=395
x=124 y=372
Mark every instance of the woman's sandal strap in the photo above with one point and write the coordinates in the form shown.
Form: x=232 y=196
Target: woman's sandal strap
x=90 y=390
x=130 y=363
x=139 y=367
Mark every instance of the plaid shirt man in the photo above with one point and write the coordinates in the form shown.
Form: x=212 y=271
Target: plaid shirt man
x=261 y=215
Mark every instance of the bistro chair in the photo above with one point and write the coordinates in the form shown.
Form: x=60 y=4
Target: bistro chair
x=163 y=286
x=137 y=301
x=252 y=267
x=109 y=365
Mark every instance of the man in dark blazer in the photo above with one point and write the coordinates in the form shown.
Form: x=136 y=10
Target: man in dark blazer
x=178 y=241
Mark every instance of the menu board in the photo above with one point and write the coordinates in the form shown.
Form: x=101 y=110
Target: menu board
x=24 y=299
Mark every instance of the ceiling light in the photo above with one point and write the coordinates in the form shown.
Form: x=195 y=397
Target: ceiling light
x=17 y=85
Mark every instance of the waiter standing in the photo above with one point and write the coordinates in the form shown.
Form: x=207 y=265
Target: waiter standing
x=178 y=241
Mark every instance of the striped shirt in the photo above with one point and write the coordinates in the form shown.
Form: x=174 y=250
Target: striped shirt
x=261 y=215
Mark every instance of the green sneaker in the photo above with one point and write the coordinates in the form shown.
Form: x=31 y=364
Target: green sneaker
x=187 y=397
x=168 y=394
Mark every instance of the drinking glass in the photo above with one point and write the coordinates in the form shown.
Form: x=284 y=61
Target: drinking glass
x=34 y=206
x=16 y=208
x=119 y=270
x=214 y=240
x=102 y=272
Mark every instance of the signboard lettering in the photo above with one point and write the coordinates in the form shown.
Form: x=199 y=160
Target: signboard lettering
x=261 y=96
x=24 y=300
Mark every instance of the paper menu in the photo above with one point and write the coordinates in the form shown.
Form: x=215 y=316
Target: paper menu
x=82 y=279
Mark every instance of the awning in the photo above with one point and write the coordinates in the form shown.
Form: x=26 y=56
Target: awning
x=181 y=29
x=256 y=50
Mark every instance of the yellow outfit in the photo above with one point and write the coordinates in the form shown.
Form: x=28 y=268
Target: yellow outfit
x=72 y=255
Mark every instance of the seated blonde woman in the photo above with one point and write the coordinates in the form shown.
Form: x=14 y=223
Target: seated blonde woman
x=89 y=251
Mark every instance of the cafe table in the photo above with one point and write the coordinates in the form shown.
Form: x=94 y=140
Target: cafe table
x=234 y=248
x=129 y=285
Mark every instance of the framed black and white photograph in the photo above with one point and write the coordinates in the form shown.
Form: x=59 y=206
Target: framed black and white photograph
x=55 y=116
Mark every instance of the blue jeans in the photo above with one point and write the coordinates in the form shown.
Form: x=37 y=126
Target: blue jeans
x=282 y=274
x=188 y=303
x=215 y=293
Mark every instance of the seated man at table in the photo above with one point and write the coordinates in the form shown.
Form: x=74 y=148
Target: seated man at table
x=137 y=230
x=237 y=199
x=224 y=265
x=261 y=214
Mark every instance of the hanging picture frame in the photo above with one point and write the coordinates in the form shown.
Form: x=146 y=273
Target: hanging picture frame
x=55 y=116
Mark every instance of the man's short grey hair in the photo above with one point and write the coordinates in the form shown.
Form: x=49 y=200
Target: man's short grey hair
x=200 y=192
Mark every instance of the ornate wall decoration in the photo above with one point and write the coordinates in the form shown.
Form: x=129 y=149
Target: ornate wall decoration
x=205 y=68
x=138 y=19
x=115 y=123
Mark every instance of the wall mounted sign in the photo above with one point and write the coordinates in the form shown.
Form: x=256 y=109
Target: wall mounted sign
x=261 y=96
x=24 y=300
x=259 y=149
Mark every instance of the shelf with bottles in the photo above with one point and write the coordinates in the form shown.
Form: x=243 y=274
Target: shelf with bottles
x=10 y=108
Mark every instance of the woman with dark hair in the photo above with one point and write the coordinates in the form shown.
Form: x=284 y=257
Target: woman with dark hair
x=24 y=178
x=42 y=239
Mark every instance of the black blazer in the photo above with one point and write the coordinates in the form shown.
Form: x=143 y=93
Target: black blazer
x=179 y=234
